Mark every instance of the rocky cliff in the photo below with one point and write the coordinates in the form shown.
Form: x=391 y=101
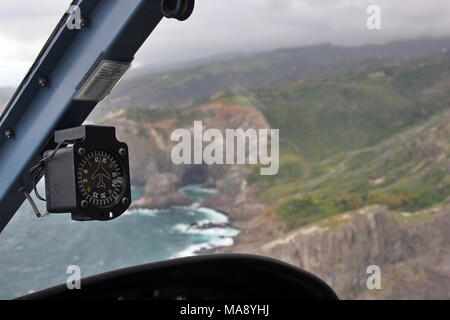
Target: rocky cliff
x=412 y=248
x=161 y=192
x=148 y=136
x=412 y=251
x=364 y=175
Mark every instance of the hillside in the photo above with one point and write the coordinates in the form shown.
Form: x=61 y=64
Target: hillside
x=388 y=204
x=361 y=128
x=345 y=141
x=364 y=172
x=184 y=87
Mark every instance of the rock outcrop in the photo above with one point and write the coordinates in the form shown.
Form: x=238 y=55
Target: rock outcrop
x=148 y=139
x=412 y=251
x=161 y=192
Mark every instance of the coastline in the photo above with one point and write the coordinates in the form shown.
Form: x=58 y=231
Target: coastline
x=216 y=223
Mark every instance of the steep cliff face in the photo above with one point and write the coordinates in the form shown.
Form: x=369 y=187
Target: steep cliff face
x=364 y=175
x=148 y=136
x=411 y=246
x=412 y=251
x=161 y=192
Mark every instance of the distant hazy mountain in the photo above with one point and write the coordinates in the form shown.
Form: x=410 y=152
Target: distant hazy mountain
x=183 y=87
x=153 y=68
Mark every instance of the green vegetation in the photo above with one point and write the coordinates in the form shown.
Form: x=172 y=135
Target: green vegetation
x=291 y=169
x=151 y=116
x=298 y=212
x=359 y=140
x=375 y=134
x=319 y=118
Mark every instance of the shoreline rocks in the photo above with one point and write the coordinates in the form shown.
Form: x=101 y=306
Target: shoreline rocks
x=178 y=198
x=161 y=192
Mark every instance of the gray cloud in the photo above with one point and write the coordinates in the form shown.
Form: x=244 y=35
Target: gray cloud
x=218 y=27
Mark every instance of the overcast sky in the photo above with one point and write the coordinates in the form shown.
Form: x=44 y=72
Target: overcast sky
x=226 y=26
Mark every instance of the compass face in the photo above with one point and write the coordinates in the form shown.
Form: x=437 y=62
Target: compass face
x=100 y=179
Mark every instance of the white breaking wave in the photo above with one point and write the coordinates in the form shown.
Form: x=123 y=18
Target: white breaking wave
x=215 y=231
x=213 y=216
x=199 y=188
x=145 y=212
x=195 y=205
x=211 y=238
x=193 y=248
x=214 y=237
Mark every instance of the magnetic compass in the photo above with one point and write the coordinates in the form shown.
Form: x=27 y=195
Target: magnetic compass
x=89 y=176
x=100 y=179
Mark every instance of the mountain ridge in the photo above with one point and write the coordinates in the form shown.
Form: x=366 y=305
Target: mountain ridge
x=184 y=87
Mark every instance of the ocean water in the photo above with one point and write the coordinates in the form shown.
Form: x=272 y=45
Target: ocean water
x=35 y=253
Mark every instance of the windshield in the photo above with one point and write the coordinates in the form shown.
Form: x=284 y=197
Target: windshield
x=314 y=133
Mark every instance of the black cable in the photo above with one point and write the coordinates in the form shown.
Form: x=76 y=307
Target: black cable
x=38 y=171
x=35 y=180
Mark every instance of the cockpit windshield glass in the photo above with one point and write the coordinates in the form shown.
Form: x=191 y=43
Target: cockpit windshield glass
x=313 y=132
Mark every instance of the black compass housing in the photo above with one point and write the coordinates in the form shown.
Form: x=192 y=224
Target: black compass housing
x=91 y=178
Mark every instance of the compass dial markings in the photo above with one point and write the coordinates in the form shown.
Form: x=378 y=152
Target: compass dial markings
x=100 y=179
